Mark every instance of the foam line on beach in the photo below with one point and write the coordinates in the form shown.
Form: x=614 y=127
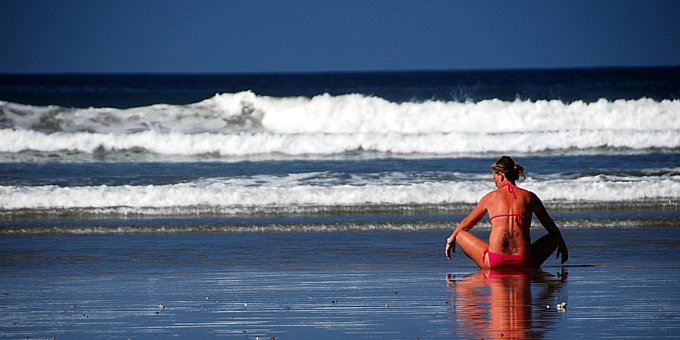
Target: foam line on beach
x=299 y=190
x=121 y=227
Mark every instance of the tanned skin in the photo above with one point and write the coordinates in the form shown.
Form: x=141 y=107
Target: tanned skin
x=507 y=236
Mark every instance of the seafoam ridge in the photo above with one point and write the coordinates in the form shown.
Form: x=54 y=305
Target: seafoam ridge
x=271 y=192
x=241 y=124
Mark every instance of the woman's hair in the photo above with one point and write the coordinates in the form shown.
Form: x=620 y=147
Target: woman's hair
x=507 y=166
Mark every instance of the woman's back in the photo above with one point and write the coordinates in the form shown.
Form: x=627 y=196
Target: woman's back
x=510 y=210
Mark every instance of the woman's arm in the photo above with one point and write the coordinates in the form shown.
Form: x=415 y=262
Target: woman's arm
x=466 y=224
x=550 y=226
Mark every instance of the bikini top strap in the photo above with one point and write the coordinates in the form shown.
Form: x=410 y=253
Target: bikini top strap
x=518 y=217
x=511 y=190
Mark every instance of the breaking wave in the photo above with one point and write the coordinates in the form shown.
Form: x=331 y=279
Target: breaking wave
x=243 y=124
x=271 y=193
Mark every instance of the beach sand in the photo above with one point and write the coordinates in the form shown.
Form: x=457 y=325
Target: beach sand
x=382 y=284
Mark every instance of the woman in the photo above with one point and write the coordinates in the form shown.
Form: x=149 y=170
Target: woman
x=510 y=209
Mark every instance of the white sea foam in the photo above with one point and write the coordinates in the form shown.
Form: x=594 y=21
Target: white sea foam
x=304 y=227
x=246 y=124
x=262 y=192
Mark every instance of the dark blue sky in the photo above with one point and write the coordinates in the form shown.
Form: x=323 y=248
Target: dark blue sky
x=302 y=35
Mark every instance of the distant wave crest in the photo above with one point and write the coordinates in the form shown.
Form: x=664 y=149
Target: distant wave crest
x=241 y=124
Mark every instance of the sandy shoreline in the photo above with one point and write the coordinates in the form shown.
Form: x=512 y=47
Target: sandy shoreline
x=620 y=283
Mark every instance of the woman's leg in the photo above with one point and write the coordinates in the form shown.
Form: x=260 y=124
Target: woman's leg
x=474 y=248
x=543 y=248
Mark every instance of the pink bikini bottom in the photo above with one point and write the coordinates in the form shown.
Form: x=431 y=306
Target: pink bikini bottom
x=504 y=261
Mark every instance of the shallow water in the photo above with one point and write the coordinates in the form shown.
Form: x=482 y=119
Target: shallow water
x=619 y=283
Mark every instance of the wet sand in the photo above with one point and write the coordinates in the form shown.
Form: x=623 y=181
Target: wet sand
x=397 y=285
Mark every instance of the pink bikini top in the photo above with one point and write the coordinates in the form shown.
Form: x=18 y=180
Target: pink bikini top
x=518 y=216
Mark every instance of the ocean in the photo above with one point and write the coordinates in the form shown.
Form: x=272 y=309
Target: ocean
x=365 y=151
x=318 y=205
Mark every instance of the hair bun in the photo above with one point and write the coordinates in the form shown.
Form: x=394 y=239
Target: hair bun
x=519 y=170
x=507 y=166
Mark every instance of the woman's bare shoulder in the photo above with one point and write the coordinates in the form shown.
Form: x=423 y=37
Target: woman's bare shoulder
x=534 y=200
x=489 y=200
x=489 y=196
x=527 y=192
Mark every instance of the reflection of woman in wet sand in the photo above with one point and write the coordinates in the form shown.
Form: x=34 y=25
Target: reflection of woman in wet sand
x=510 y=209
x=509 y=297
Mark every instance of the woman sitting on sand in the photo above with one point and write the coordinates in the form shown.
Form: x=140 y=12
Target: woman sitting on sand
x=510 y=209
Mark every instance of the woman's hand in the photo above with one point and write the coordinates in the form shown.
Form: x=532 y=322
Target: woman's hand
x=450 y=246
x=562 y=251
